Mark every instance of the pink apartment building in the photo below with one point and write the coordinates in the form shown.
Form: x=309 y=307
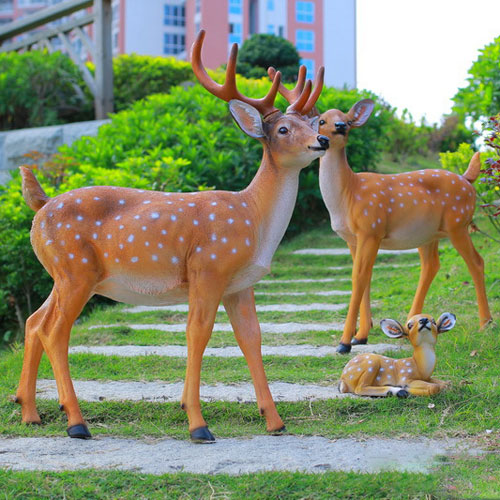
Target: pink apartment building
x=324 y=31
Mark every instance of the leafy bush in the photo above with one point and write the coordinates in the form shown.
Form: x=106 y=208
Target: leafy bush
x=182 y=141
x=261 y=51
x=136 y=77
x=38 y=88
x=481 y=97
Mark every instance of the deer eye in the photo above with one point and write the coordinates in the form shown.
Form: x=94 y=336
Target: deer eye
x=349 y=123
x=410 y=325
x=322 y=122
x=283 y=130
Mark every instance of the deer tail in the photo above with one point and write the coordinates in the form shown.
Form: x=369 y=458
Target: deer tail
x=474 y=168
x=33 y=193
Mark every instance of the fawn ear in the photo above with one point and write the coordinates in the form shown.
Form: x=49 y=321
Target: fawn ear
x=392 y=328
x=446 y=322
x=247 y=118
x=360 y=112
x=314 y=122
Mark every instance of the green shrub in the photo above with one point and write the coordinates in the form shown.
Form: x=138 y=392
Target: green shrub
x=38 y=88
x=182 y=141
x=136 y=77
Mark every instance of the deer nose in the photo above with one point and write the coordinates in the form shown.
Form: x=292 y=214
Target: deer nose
x=340 y=127
x=423 y=321
x=324 y=141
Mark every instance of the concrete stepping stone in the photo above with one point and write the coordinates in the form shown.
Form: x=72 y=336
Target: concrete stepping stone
x=345 y=251
x=184 y=308
x=377 y=266
x=312 y=454
x=161 y=392
x=329 y=293
x=302 y=280
x=180 y=351
x=226 y=327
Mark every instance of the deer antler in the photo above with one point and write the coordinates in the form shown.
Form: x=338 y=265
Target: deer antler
x=295 y=96
x=229 y=90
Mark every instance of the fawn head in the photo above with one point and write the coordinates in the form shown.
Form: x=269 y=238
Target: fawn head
x=419 y=329
x=336 y=125
x=287 y=137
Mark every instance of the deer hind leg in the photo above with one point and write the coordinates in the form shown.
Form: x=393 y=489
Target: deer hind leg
x=205 y=293
x=53 y=327
x=365 y=313
x=461 y=240
x=429 y=261
x=366 y=253
x=366 y=383
x=423 y=388
x=240 y=308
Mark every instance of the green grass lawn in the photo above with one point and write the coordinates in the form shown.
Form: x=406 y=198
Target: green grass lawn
x=467 y=357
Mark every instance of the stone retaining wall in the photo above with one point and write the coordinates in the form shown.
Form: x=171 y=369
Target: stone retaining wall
x=16 y=143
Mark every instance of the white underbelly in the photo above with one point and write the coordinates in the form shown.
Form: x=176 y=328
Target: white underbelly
x=411 y=236
x=246 y=278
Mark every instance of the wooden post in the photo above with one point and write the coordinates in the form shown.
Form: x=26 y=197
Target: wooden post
x=103 y=59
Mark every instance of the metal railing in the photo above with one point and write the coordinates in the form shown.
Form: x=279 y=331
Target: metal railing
x=100 y=50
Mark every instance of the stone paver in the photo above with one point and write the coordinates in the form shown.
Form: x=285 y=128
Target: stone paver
x=313 y=454
x=345 y=251
x=230 y=351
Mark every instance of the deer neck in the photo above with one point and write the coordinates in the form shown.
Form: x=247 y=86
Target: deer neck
x=271 y=195
x=337 y=182
x=425 y=358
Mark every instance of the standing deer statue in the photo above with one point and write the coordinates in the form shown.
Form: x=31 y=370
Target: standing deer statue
x=376 y=375
x=156 y=248
x=409 y=210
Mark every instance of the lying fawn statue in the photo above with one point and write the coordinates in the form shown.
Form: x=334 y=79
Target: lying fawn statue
x=375 y=375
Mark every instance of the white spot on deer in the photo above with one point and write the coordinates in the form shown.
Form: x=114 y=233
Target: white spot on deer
x=400 y=195
x=71 y=256
x=453 y=181
x=415 y=202
x=181 y=238
x=370 y=203
x=358 y=197
x=401 y=205
x=214 y=203
x=121 y=226
x=60 y=205
x=147 y=202
x=175 y=260
x=59 y=224
x=106 y=254
x=78 y=200
x=155 y=215
x=247 y=222
x=365 y=211
x=374 y=195
x=247 y=242
x=230 y=221
x=160 y=245
x=213 y=256
x=130 y=239
x=56 y=259
x=163 y=231
x=191 y=204
x=117 y=260
x=234 y=250
x=121 y=202
x=137 y=217
x=173 y=217
x=79 y=217
x=457 y=219
x=454 y=208
x=68 y=226
x=118 y=217
x=51 y=214
x=392 y=200
x=134 y=259
x=154 y=257
x=211 y=216
x=457 y=197
x=77 y=236
x=380 y=205
x=170 y=202
x=98 y=223
x=144 y=228
x=373 y=225
x=195 y=222
x=84 y=260
x=120 y=246
x=198 y=249
x=214 y=237
x=49 y=242
x=224 y=239
x=389 y=209
x=244 y=204
x=62 y=243
x=180 y=210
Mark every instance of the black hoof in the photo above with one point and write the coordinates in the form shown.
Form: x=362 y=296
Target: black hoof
x=79 y=431
x=14 y=399
x=403 y=393
x=278 y=432
x=356 y=341
x=202 y=435
x=344 y=348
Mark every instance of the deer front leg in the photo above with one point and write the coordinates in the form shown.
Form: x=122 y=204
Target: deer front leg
x=366 y=253
x=205 y=292
x=423 y=388
x=429 y=262
x=240 y=308
x=365 y=316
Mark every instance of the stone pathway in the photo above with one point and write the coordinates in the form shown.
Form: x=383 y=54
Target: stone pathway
x=313 y=454
x=180 y=351
x=345 y=251
x=226 y=327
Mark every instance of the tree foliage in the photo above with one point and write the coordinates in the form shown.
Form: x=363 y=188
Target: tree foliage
x=261 y=51
x=481 y=97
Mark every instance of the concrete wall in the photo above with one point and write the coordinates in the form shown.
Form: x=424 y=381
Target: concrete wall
x=15 y=144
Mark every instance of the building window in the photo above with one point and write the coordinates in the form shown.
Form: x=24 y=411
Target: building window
x=281 y=31
x=305 y=40
x=198 y=6
x=270 y=29
x=270 y=4
x=309 y=64
x=235 y=7
x=304 y=12
x=115 y=40
x=235 y=33
x=173 y=44
x=175 y=15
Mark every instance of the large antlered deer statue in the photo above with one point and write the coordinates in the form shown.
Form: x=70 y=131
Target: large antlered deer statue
x=149 y=247
x=409 y=210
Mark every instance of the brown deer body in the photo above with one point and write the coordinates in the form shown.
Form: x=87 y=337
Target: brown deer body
x=147 y=247
x=408 y=210
x=376 y=375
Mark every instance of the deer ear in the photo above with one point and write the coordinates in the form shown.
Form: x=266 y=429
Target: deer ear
x=314 y=122
x=446 y=322
x=247 y=118
x=392 y=328
x=360 y=112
